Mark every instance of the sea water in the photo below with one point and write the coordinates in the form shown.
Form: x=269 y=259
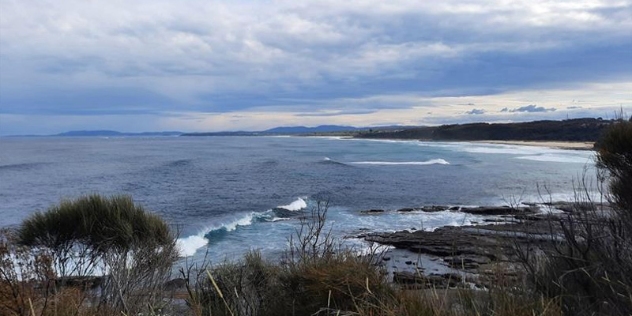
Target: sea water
x=228 y=195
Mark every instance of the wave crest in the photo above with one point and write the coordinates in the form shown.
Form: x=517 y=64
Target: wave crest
x=297 y=205
x=396 y=163
x=557 y=158
x=188 y=246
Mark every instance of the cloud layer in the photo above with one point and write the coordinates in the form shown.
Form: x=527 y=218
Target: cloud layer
x=305 y=61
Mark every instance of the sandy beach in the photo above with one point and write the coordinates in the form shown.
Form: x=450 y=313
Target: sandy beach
x=550 y=144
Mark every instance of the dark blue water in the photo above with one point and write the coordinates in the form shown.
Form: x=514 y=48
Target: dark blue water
x=205 y=186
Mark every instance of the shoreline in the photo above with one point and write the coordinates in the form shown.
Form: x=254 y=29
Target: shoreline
x=568 y=145
x=555 y=144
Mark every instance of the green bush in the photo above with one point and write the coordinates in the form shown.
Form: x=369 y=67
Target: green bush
x=103 y=224
x=589 y=271
x=130 y=250
x=615 y=156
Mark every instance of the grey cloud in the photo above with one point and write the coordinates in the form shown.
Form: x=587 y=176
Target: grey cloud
x=475 y=112
x=307 y=55
x=351 y=112
x=523 y=117
x=531 y=108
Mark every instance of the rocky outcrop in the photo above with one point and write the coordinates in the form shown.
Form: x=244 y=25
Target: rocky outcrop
x=453 y=242
x=473 y=250
x=497 y=210
x=372 y=211
x=481 y=210
x=434 y=208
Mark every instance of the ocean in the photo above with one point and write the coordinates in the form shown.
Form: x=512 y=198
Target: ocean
x=220 y=193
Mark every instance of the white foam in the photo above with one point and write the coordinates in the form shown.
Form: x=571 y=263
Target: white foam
x=483 y=148
x=557 y=158
x=278 y=219
x=76 y=265
x=363 y=248
x=395 y=163
x=511 y=150
x=297 y=205
x=188 y=246
x=392 y=141
x=331 y=137
x=243 y=221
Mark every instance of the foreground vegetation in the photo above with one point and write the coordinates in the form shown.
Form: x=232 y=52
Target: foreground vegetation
x=47 y=265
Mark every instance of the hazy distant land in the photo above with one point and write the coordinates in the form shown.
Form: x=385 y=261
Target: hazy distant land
x=581 y=132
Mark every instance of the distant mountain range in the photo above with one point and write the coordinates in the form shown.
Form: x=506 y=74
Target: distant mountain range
x=284 y=130
x=287 y=130
x=584 y=129
x=317 y=129
x=107 y=133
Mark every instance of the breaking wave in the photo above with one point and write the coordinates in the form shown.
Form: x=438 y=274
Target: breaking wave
x=297 y=205
x=557 y=158
x=394 y=163
x=329 y=161
x=188 y=246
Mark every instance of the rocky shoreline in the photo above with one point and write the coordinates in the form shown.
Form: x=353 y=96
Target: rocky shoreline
x=472 y=255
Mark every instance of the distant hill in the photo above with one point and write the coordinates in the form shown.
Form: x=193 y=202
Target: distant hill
x=584 y=130
x=581 y=130
x=307 y=130
x=107 y=133
x=238 y=133
x=285 y=130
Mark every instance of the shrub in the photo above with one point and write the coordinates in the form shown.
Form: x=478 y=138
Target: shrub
x=589 y=270
x=615 y=155
x=316 y=275
x=247 y=287
x=132 y=249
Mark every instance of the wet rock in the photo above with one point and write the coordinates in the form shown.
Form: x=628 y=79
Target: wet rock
x=434 y=208
x=529 y=217
x=372 y=211
x=406 y=210
x=496 y=210
x=467 y=262
x=477 y=249
x=464 y=248
x=572 y=207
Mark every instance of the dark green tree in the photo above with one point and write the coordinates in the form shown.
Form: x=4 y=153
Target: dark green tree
x=615 y=156
x=131 y=249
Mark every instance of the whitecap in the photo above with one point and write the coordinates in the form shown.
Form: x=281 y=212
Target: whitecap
x=297 y=205
x=278 y=219
x=395 y=163
x=243 y=221
x=557 y=158
x=188 y=246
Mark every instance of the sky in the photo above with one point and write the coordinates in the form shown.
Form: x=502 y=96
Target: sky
x=210 y=65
